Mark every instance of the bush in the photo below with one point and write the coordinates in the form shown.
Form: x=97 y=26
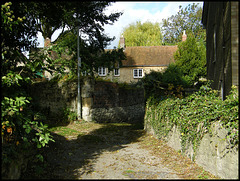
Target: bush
x=20 y=132
x=191 y=58
x=158 y=84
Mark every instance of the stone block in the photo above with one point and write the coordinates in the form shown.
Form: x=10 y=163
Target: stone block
x=87 y=102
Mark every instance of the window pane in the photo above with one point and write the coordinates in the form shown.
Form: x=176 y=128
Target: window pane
x=103 y=71
x=99 y=71
x=140 y=72
x=135 y=73
x=116 y=72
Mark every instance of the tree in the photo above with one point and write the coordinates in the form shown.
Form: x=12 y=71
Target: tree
x=52 y=15
x=92 y=55
x=188 y=19
x=142 y=34
x=19 y=129
x=191 y=58
x=20 y=23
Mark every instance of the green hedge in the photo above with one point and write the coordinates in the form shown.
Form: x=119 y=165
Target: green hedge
x=194 y=115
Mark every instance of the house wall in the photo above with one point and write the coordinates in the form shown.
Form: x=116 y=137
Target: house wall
x=222 y=60
x=126 y=73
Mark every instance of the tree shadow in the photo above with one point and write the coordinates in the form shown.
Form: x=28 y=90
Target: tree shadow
x=68 y=158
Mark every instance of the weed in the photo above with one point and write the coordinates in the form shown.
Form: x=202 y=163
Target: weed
x=203 y=175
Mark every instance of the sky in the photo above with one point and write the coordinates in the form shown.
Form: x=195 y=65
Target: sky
x=153 y=11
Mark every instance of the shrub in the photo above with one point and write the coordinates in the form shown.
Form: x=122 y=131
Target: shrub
x=160 y=84
x=191 y=58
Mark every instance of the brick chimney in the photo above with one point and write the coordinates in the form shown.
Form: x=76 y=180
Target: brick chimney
x=122 y=42
x=184 y=36
x=47 y=42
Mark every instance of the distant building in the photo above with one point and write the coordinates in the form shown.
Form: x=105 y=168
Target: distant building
x=140 y=60
x=221 y=22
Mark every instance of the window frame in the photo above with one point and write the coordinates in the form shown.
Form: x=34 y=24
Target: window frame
x=137 y=76
x=102 y=71
x=114 y=72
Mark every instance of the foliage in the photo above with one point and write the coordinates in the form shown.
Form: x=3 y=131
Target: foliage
x=158 y=84
x=92 y=55
x=17 y=30
x=194 y=115
x=142 y=34
x=189 y=67
x=53 y=15
x=19 y=128
x=190 y=57
x=188 y=19
x=69 y=115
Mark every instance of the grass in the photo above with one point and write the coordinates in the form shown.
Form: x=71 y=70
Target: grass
x=64 y=131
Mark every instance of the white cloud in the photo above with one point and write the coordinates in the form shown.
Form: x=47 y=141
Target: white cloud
x=40 y=39
x=131 y=14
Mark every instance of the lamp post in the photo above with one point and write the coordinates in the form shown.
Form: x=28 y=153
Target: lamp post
x=79 y=109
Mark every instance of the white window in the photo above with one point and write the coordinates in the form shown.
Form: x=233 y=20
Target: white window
x=102 y=71
x=116 y=72
x=137 y=73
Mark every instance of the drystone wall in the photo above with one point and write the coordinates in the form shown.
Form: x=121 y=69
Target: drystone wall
x=53 y=98
x=100 y=101
x=113 y=103
x=214 y=153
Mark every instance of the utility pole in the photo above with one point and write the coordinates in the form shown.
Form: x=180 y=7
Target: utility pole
x=79 y=108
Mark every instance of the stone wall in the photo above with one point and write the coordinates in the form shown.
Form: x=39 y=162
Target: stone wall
x=100 y=101
x=111 y=102
x=213 y=154
x=52 y=98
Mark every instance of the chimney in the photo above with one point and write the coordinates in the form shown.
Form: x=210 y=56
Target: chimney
x=184 y=36
x=47 y=42
x=122 y=42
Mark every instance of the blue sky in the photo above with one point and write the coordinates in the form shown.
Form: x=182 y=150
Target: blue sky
x=151 y=6
x=135 y=11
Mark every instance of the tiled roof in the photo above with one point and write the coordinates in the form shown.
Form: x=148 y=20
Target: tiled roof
x=149 y=55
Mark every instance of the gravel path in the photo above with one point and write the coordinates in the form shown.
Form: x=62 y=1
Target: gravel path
x=128 y=162
x=103 y=151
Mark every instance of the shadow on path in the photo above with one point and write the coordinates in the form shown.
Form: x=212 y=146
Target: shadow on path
x=70 y=157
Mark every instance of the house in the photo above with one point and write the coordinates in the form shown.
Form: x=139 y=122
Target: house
x=140 y=60
x=221 y=22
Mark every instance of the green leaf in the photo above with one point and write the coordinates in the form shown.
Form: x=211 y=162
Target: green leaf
x=40 y=157
x=39 y=145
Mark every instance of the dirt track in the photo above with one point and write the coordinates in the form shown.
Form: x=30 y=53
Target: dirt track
x=106 y=151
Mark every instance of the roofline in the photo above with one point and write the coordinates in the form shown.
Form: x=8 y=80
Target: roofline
x=147 y=46
x=163 y=65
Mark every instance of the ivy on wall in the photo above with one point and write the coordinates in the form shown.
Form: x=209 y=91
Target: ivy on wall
x=194 y=115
